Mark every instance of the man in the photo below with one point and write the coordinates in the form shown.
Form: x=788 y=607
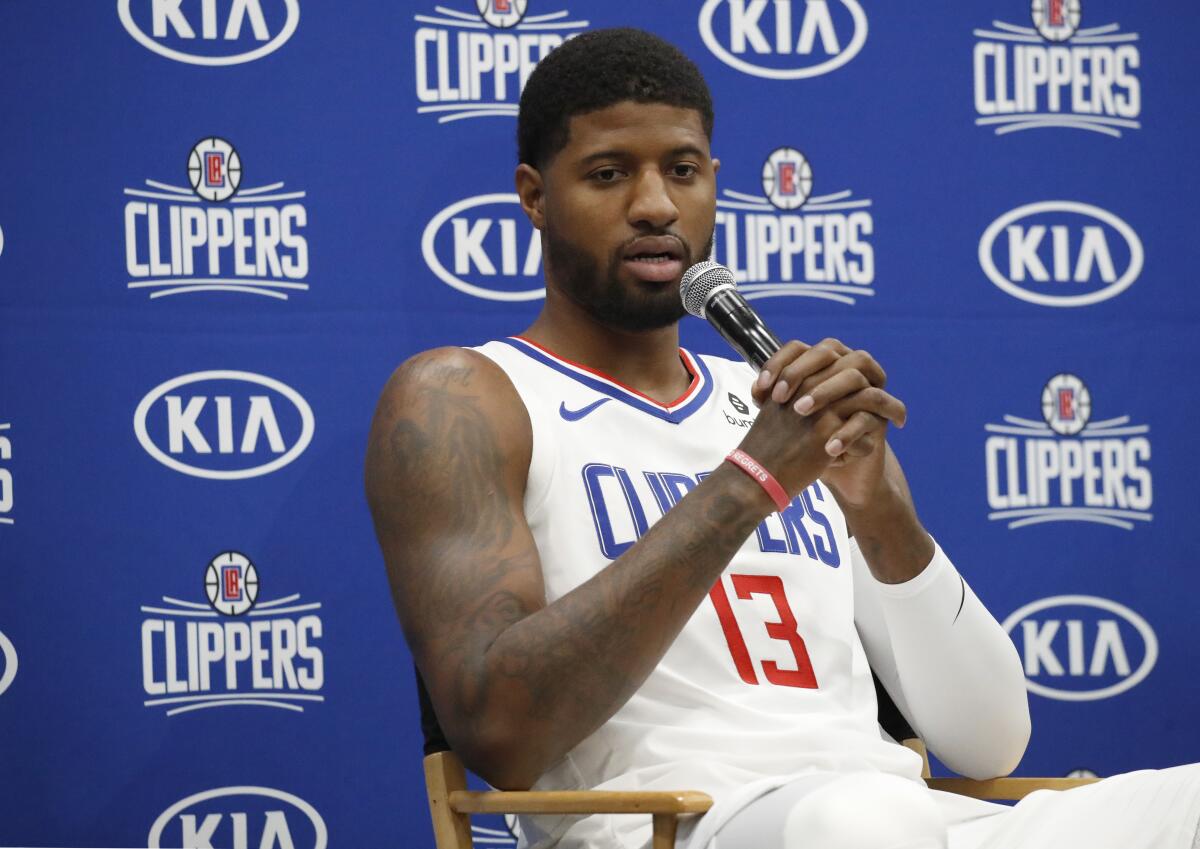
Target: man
x=594 y=598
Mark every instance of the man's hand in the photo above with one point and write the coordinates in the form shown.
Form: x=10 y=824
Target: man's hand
x=840 y=392
x=830 y=404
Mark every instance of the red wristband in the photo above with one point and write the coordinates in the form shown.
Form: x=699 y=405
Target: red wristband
x=764 y=478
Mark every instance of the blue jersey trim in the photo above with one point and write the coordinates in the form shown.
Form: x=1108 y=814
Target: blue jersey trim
x=675 y=416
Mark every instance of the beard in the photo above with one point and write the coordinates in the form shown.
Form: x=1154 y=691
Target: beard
x=605 y=296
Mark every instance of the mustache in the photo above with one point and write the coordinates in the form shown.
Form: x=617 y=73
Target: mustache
x=684 y=244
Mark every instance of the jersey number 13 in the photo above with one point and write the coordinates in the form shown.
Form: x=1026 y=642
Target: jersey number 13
x=785 y=630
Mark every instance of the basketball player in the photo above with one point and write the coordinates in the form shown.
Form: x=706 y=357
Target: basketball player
x=596 y=598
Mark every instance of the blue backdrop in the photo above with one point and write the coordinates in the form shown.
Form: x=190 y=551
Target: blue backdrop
x=224 y=222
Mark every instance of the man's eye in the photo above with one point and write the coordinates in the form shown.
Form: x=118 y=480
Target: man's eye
x=606 y=175
x=684 y=170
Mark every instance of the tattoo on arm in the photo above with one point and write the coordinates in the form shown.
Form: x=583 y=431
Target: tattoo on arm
x=467 y=581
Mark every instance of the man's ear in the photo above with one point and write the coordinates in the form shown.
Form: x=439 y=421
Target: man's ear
x=531 y=193
x=716 y=165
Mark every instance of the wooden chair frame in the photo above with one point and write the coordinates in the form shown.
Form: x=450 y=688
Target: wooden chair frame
x=451 y=803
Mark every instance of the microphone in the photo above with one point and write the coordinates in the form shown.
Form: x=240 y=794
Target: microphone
x=709 y=291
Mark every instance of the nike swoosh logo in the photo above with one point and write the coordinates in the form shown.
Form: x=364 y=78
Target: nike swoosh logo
x=576 y=415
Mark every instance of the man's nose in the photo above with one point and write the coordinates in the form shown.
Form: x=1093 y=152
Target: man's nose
x=651 y=204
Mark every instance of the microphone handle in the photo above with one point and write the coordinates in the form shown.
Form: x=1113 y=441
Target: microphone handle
x=741 y=327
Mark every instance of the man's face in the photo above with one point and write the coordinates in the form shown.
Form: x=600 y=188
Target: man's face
x=629 y=205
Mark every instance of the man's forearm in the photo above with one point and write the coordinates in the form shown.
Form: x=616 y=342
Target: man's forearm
x=959 y=674
x=890 y=537
x=556 y=674
x=883 y=521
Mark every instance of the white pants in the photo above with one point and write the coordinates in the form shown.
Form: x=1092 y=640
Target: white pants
x=1151 y=809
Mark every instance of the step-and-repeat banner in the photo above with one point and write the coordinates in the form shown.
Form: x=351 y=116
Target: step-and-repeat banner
x=224 y=222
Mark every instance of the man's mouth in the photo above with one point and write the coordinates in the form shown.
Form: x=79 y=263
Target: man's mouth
x=655 y=259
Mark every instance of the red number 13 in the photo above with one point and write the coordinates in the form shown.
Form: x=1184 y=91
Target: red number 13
x=786 y=629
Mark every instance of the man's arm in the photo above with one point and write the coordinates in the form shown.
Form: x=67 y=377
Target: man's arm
x=516 y=682
x=944 y=659
x=942 y=656
x=948 y=665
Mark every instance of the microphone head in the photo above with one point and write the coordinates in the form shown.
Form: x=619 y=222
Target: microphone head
x=701 y=282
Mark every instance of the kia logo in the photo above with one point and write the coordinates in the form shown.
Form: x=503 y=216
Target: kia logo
x=1061 y=253
x=224 y=425
x=1080 y=639
x=8 y=670
x=216 y=28
x=495 y=254
x=200 y=825
x=794 y=33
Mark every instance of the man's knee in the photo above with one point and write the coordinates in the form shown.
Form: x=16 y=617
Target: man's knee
x=866 y=811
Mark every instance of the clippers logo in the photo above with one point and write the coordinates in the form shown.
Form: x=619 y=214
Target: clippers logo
x=215 y=169
x=787 y=178
x=1068 y=468
x=1056 y=20
x=1055 y=74
x=231 y=583
x=475 y=64
x=257 y=424
x=1060 y=253
x=790 y=242
x=783 y=39
x=624 y=503
x=1066 y=404
x=486 y=247
x=1079 y=648
x=502 y=13
x=6 y=475
x=214 y=32
x=8 y=663
x=215 y=236
x=242 y=818
x=234 y=650
x=494 y=836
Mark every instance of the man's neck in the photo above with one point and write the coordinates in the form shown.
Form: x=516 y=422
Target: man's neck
x=647 y=361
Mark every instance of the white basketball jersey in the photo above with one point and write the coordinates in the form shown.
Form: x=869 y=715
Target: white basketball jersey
x=768 y=679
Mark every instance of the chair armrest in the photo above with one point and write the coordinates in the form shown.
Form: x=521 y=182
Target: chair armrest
x=579 y=802
x=1010 y=789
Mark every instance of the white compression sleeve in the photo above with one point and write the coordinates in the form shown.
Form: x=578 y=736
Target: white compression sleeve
x=951 y=669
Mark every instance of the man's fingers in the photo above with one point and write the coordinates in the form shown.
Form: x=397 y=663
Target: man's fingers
x=815 y=359
x=772 y=368
x=831 y=391
x=860 y=361
x=872 y=400
x=866 y=443
x=868 y=365
x=797 y=369
x=835 y=345
x=858 y=436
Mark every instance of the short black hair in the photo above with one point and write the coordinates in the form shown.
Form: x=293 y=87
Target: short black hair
x=598 y=69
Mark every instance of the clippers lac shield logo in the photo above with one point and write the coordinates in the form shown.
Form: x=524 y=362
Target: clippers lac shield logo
x=1068 y=467
x=215 y=169
x=1057 y=73
x=231 y=583
x=215 y=234
x=235 y=650
x=786 y=241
